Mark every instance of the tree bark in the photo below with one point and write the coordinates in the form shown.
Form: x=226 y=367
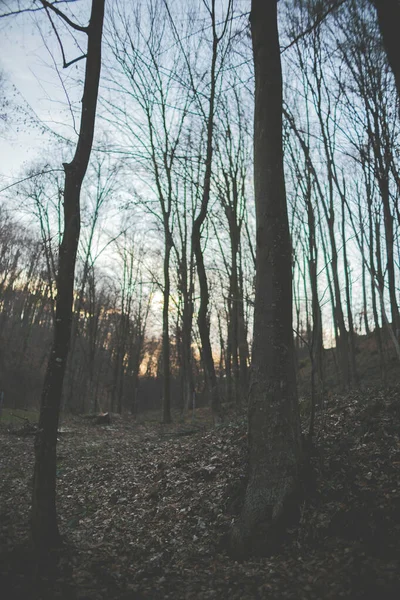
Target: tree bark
x=45 y=531
x=274 y=425
x=389 y=22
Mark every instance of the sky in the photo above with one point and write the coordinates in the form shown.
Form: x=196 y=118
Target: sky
x=35 y=85
x=38 y=92
x=37 y=101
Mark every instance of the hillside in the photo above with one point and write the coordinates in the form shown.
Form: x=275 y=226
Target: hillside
x=369 y=372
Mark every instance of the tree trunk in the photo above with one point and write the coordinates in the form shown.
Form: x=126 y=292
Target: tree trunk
x=45 y=531
x=204 y=330
x=380 y=277
x=389 y=23
x=363 y=273
x=317 y=339
x=187 y=318
x=203 y=317
x=234 y=313
x=383 y=182
x=274 y=424
x=372 y=270
x=351 y=336
x=342 y=340
x=166 y=403
x=243 y=346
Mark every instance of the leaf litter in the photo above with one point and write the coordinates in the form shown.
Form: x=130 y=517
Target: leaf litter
x=143 y=509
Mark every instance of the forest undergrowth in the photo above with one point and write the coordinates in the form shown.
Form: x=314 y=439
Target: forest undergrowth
x=143 y=509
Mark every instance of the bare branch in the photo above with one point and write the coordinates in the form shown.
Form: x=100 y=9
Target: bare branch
x=60 y=14
x=31 y=177
x=320 y=19
x=65 y=63
x=14 y=13
x=74 y=60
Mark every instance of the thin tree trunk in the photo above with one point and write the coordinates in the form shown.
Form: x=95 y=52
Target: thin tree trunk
x=243 y=345
x=166 y=403
x=45 y=531
x=378 y=334
x=203 y=317
x=380 y=277
x=363 y=272
x=316 y=340
x=348 y=298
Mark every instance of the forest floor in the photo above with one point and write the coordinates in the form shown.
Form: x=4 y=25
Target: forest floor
x=143 y=509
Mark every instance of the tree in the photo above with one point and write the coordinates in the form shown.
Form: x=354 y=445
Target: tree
x=370 y=84
x=274 y=425
x=99 y=190
x=230 y=178
x=203 y=318
x=388 y=12
x=190 y=171
x=306 y=180
x=45 y=531
x=154 y=123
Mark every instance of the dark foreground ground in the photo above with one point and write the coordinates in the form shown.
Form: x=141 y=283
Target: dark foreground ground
x=143 y=509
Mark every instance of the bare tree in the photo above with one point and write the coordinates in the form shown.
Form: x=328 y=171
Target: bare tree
x=44 y=516
x=155 y=121
x=232 y=159
x=370 y=83
x=100 y=189
x=203 y=318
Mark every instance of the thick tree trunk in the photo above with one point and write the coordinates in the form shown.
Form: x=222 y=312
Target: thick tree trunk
x=389 y=24
x=274 y=425
x=44 y=517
